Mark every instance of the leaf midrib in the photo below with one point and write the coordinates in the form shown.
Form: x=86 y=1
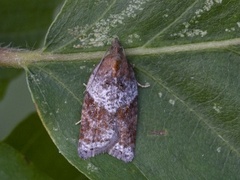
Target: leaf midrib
x=212 y=45
x=22 y=59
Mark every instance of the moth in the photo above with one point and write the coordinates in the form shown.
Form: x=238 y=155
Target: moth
x=109 y=112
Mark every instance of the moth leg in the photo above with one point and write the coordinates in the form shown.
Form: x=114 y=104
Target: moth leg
x=146 y=85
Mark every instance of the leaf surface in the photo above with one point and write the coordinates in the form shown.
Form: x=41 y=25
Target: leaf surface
x=188 y=125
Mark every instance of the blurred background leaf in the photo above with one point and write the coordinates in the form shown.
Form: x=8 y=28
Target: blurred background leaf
x=32 y=141
x=6 y=75
x=15 y=166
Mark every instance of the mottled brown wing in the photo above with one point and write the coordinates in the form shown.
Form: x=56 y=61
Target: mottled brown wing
x=109 y=115
x=126 y=126
x=98 y=132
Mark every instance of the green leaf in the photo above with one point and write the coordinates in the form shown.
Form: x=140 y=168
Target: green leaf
x=14 y=166
x=25 y=22
x=31 y=139
x=188 y=123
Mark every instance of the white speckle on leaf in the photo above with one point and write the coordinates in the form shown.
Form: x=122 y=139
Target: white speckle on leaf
x=238 y=24
x=44 y=103
x=190 y=33
x=217 y=108
x=172 y=102
x=90 y=69
x=82 y=67
x=231 y=29
x=196 y=32
x=65 y=101
x=187 y=31
x=219 y=149
x=160 y=94
x=57 y=111
x=55 y=129
x=99 y=34
x=227 y=30
x=132 y=37
x=44 y=111
x=91 y=167
x=165 y=15
x=218 y=1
